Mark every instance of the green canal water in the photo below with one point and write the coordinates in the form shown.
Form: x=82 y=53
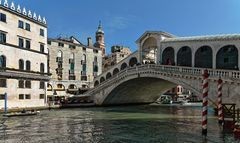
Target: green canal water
x=124 y=124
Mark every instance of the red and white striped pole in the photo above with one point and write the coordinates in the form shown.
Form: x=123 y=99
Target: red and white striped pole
x=220 y=110
x=205 y=102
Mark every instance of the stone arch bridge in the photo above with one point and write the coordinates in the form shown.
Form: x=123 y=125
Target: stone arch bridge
x=164 y=61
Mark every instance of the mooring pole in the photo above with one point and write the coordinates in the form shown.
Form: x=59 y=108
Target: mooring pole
x=220 y=110
x=205 y=102
x=5 y=103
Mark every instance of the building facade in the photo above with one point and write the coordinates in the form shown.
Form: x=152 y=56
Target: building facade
x=73 y=66
x=118 y=53
x=23 y=57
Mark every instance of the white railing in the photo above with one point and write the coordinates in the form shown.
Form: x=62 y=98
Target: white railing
x=213 y=73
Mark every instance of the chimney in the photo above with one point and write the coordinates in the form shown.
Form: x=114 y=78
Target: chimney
x=89 y=39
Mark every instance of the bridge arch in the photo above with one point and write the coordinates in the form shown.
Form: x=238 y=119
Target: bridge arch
x=102 y=79
x=184 y=56
x=149 y=50
x=123 y=66
x=149 y=88
x=109 y=75
x=115 y=71
x=168 y=56
x=227 y=58
x=204 y=57
x=133 y=61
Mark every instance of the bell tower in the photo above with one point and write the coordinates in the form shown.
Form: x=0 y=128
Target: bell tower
x=100 y=39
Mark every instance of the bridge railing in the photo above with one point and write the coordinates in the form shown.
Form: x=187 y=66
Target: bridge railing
x=213 y=73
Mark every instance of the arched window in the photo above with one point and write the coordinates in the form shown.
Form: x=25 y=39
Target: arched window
x=227 y=58
x=133 y=61
x=84 y=58
x=2 y=61
x=123 y=66
x=28 y=65
x=59 y=54
x=102 y=79
x=168 y=56
x=109 y=75
x=184 y=56
x=21 y=64
x=42 y=67
x=96 y=83
x=59 y=57
x=115 y=71
x=203 y=57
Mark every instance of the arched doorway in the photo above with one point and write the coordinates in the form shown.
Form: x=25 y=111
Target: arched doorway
x=149 y=50
x=115 y=71
x=184 y=56
x=168 y=56
x=102 y=79
x=227 y=58
x=123 y=66
x=133 y=61
x=204 y=57
x=109 y=75
x=96 y=83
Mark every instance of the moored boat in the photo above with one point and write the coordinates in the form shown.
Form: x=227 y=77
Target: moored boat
x=27 y=113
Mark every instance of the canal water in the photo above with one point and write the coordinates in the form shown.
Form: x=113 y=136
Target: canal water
x=124 y=124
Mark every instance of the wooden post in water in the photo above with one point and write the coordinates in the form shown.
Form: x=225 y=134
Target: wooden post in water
x=205 y=102
x=220 y=110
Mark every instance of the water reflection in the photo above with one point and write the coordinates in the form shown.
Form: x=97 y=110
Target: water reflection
x=131 y=124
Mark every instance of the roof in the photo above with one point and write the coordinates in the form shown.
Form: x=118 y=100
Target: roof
x=204 y=38
x=168 y=35
x=72 y=43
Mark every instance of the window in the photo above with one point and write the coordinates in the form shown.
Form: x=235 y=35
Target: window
x=2 y=38
x=3 y=17
x=41 y=48
x=21 y=64
x=20 y=24
x=20 y=42
x=84 y=49
x=49 y=42
x=225 y=60
x=41 y=32
x=2 y=97
x=21 y=96
x=42 y=67
x=72 y=47
x=28 y=28
x=3 y=82
x=2 y=61
x=28 y=44
x=28 y=84
x=27 y=96
x=41 y=96
x=60 y=44
x=42 y=85
x=28 y=65
x=21 y=84
x=95 y=51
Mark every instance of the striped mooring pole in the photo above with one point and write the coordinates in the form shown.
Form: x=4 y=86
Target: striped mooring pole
x=205 y=102
x=220 y=110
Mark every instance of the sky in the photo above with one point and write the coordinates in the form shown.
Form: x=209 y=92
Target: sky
x=124 y=21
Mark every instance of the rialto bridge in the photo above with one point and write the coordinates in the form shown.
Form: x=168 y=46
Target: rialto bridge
x=164 y=61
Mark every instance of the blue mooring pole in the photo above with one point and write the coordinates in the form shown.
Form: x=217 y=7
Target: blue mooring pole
x=5 y=103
